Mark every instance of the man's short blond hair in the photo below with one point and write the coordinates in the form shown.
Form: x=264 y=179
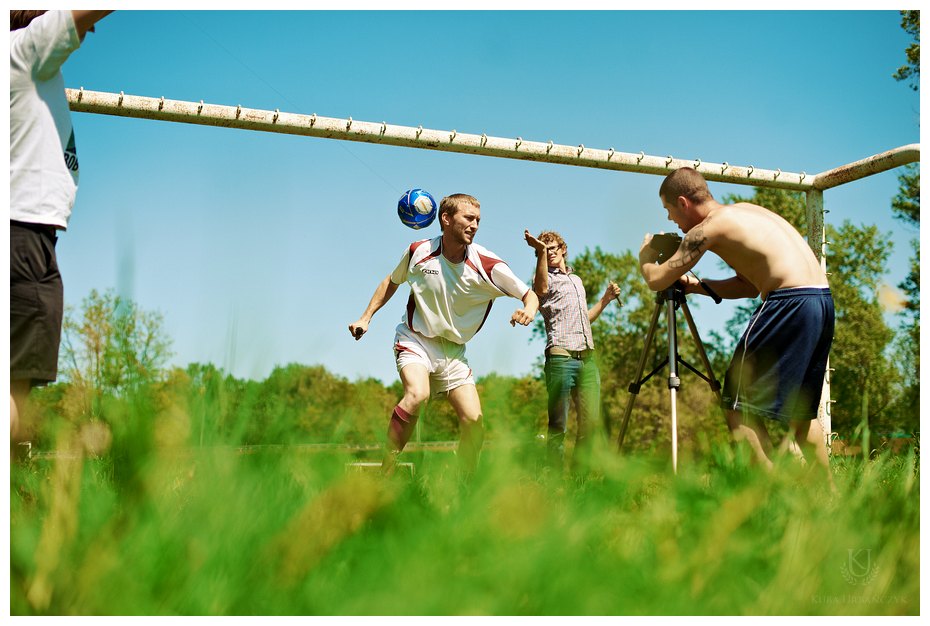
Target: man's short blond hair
x=454 y=203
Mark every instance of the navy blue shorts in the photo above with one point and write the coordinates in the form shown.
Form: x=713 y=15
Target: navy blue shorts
x=778 y=368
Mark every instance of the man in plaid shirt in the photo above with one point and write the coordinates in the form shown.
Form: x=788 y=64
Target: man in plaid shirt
x=571 y=369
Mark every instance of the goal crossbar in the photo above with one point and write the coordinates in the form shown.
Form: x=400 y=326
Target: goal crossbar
x=313 y=125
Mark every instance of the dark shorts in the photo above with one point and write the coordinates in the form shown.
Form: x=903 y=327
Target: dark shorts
x=36 y=303
x=778 y=369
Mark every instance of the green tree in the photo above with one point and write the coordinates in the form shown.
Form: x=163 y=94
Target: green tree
x=906 y=204
x=308 y=404
x=906 y=207
x=111 y=346
x=910 y=22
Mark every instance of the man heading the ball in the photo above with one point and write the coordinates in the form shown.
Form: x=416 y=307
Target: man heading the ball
x=453 y=283
x=778 y=369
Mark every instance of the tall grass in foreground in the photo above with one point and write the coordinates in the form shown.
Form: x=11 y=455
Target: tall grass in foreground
x=153 y=529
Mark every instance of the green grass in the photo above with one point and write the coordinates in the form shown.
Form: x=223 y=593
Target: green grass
x=154 y=530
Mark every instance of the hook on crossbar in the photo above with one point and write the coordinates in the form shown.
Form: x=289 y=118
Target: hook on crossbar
x=751 y=170
x=549 y=147
x=668 y=160
x=610 y=153
x=81 y=93
x=383 y=128
x=580 y=148
x=725 y=167
x=777 y=174
x=484 y=139
x=452 y=136
x=312 y=119
x=161 y=105
x=419 y=130
x=697 y=163
x=238 y=110
x=803 y=176
x=642 y=155
x=120 y=102
x=349 y=123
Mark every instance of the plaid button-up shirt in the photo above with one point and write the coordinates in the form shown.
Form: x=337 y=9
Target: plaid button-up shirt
x=565 y=312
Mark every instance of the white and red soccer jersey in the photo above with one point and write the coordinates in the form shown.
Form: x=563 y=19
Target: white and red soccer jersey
x=452 y=300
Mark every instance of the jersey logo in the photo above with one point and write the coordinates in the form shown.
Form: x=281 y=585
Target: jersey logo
x=71 y=160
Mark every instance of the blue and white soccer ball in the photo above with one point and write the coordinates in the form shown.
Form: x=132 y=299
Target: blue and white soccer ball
x=417 y=209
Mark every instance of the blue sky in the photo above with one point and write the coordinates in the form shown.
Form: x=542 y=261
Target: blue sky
x=259 y=249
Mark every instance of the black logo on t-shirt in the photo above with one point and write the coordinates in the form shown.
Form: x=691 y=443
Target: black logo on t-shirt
x=71 y=161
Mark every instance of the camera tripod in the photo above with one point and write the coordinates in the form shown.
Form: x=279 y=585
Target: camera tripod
x=673 y=298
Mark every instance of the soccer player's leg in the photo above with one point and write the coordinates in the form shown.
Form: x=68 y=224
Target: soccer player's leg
x=415 y=379
x=464 y=399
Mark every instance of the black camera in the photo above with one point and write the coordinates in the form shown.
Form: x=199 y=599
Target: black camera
x=665 y=244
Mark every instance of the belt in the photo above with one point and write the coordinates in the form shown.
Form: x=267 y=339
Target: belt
x=575 y=354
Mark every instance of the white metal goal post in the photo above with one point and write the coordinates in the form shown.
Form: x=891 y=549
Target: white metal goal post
x=312 y=125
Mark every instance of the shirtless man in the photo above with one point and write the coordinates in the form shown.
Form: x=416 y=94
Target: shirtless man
x=778 y=369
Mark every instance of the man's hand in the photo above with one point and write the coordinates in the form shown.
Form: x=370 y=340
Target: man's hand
x=359 y=328
x=522 y=317
x=611 y=293
x=691 y=284
x=534 y=243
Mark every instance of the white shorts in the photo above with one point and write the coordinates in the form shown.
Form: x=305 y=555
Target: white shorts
x=443 y=359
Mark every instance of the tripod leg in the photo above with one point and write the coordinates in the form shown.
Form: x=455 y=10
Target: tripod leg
x=673 y=381
x=637 y=380
x=674 y=431
x=714 y=384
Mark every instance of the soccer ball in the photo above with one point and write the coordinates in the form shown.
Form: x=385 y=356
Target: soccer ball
x=417 y=209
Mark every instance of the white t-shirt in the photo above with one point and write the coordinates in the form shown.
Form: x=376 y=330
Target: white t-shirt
x=452 y=300
x=43 y=159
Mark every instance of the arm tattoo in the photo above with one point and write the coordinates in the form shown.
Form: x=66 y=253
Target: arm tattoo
x=692 y=247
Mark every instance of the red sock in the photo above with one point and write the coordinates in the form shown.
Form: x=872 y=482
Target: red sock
x=401 y=427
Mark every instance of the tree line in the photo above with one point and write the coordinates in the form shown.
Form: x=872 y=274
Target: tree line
x=114 y=353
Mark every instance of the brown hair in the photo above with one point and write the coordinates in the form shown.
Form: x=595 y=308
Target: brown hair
x=22 y=19
x=550 y=236
x=452 y=204
x=685 y=182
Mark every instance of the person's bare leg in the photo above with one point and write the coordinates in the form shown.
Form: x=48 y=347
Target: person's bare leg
x=19 y=393
x=415 y=379
x=810 y=437
x=755 y=434
x=467 y=405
